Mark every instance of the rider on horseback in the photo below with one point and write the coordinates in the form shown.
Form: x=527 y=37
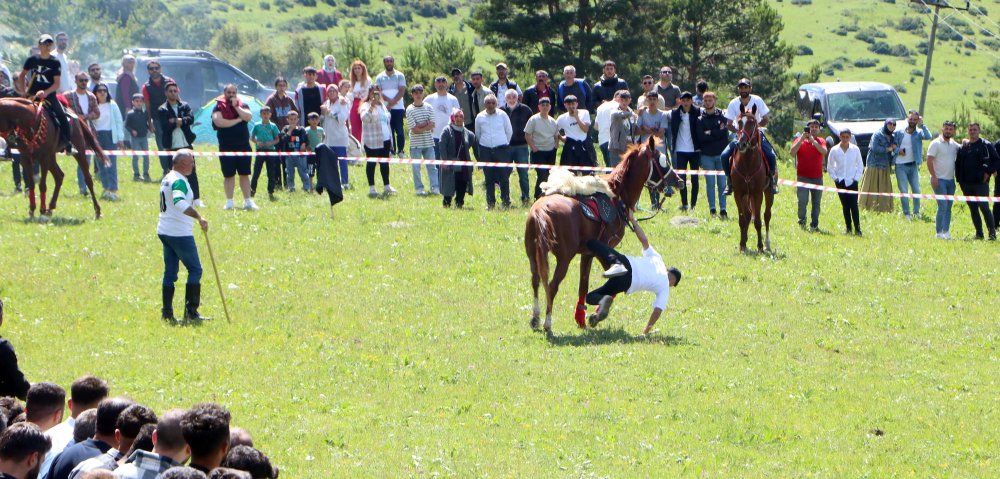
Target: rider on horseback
x=749 y=100
x=40 y=79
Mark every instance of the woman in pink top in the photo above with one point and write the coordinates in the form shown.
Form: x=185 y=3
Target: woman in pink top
x=361 y=83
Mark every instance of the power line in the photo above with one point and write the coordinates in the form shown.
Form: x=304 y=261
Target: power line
x=984 y=15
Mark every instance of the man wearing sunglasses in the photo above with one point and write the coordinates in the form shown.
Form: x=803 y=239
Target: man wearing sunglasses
x=155 y=95
x=670 y=93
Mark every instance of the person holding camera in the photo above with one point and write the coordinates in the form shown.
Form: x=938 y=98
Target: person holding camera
x=809 y=151
x=881 y=159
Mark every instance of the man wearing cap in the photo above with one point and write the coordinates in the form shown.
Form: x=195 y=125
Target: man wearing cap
x=40 y=78
x=622 y=128
x=629 y=274
x=575 y=124
x=608 y=85
x=686 y=143
x=500 y=87
x=748 y=101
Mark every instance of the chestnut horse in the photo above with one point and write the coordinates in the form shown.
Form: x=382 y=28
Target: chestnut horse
x=556 y=225
x=38 y=140
x=751 y=186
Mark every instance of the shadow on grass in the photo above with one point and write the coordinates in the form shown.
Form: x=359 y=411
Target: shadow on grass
x=594 y=337
x=57 y=221
x=753 y=253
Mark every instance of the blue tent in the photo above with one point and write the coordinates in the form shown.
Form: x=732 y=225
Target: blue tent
x=203 y=119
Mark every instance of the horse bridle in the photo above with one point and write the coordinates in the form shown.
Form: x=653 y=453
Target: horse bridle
x=745 y=138
x=657 y=185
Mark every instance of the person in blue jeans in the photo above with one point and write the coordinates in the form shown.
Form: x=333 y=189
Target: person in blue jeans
x=175 y=230
x=714 y=138
x=908 y=160
x=748 y=101
x=296 y=140
x=941 y=158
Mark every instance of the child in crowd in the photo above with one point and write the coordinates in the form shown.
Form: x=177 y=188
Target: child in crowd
x=265 y=136
x=296 y=140
x=136 y=121
x=316 y=137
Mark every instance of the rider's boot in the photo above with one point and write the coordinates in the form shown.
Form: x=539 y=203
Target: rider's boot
x=729 y=186
x=774 y=183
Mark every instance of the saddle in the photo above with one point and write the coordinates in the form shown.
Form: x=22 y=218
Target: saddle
x=599 y=207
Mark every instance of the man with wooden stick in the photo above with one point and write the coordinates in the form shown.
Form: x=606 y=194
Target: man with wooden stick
x=175 y=229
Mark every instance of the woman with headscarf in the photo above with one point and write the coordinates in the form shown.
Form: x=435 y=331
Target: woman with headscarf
x=361 y=83
x=877 y=177
x=329 y=75
x=456 y=140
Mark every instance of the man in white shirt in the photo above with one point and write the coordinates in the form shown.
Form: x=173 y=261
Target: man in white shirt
x=444 y=104
x=941 y=157
x=494 y=131
x=748 y=101
x=175 y=230
x=602 y=121
x=575 y=124
x=393 y=85
x=66 y=79
x=629 y=274
x=85 y=393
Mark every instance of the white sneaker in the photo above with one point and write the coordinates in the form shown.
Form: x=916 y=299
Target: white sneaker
x=435 y=191
x=389 y=190
x=908 y=217
x=229 y=205
x=939 y=236
x=420 y=192
x=198 y=203
x=372 y=192
x=249 y=204
x=946 y=235
x=615 y=270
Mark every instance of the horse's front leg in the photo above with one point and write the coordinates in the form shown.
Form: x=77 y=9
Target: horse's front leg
x=581 y=306
x=27 y=172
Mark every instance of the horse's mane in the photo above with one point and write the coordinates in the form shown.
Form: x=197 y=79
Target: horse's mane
x=616 y=179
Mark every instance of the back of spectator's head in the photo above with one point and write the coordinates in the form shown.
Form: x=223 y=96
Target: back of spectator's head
x=246 y=458
x=133 y=418
x=44 y=400
x=107 y=414
x=181 y=472
x=98 y=474
x=226 y=473
x=22 y=440
x=144 y=440
x=18 y=419
x=169 y=433
x=10 y=408
x=206 y=429
x=701 y=86
x=239 y=437
x=85 y=426
x=87 y=392
x=3 y=423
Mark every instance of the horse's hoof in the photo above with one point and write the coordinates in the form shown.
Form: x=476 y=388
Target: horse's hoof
x=535 y=322
x=548 y=331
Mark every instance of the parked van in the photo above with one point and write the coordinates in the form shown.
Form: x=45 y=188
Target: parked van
x=861 y=107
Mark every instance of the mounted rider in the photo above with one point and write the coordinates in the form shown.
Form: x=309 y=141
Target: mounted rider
x=748 y=101
x=40 y=79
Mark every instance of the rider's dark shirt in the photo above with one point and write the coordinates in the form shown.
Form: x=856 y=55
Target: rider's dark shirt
x=42 y=73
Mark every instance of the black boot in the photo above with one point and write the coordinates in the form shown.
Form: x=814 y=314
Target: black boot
x=168 y=303
x=729 y=186
x=774 y=183
x=192 y=299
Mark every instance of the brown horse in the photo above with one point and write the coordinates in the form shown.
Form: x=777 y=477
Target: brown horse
x=751 y=186
x=556 y=225
x=38 y=140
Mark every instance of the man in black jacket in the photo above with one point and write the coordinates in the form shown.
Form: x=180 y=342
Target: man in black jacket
x=12 y=382
x=977 y=161
x=713 y=137
x=684 y=132
x=174 y=119
x=605 y=88
x=542 y=89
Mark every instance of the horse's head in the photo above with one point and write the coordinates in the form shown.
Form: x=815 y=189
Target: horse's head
x=748 y=133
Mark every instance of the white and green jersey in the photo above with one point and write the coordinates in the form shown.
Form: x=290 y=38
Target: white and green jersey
x=175 y=199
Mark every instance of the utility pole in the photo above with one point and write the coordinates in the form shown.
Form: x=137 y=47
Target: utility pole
x=937 y=4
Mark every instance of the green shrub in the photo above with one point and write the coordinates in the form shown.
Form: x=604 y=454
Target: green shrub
x=804 y=50
x=866 y=62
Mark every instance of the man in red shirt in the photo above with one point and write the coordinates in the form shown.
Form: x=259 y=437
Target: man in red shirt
x=809 y=151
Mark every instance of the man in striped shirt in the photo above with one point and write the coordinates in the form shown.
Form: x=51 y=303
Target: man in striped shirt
x=420 y=122
x=175 y=229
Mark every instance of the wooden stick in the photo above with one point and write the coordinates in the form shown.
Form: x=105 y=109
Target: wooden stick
x=211 y=255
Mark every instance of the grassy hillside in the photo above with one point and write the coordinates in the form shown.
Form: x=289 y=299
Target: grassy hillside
x=840 y=33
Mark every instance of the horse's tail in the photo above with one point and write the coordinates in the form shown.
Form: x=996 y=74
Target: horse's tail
x=540 y=226
x=91 y=143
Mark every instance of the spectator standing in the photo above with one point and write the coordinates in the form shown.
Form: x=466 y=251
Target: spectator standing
x=846 y=168
x=575 y=124
x=296 y=141
x=230 y=118
x=154 y=93
x=478 y=93
x=377 y=138
x=623 y=127
x=94 y=73
x=127 y=84
x=85 y=393
x=392 y=83
x=420 y=121
x=462 y=90
x=648 y=86
x=84 y=104
x=602 y=122
x=911 y=155
x=12 y=381
x=609 y=84
x=22 y=448
x=336 y=113
x=519 y=114
x=329 y=75
x=135 y=125
x=670 y=93
x=494 y=132
x=361 y=84
x=175 y=119
x=713 y=136
x=542 y=135
x=541 y=89
x=686 y=143
x=881 y=156
x=169 y=450
x=309 y=95
x=577 y=88
x=316 y=137
x=977 y=160
x=502 y=84
x=941 y=157
x=177 y=217
x=699 y=93
x=6 y=80
x=809 y=151
x=456 y=142
x=444 y=105
x=266 y=136
x=280 y=103
x=111 y=135
x=62 y=54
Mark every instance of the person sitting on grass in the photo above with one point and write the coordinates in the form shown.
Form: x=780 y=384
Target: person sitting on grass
x=629 y=274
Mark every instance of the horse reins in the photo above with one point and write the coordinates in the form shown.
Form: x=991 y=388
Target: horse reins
x=651 y=186
x=760 y=149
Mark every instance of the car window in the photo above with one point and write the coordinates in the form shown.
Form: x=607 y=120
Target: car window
x=865 y=106
x=226 y=75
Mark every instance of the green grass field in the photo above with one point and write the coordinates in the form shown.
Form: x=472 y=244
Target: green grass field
x=959 y=73
x=393 y=341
